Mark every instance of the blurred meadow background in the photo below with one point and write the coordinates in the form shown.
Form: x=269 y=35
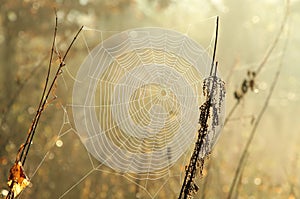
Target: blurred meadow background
x=247 y=32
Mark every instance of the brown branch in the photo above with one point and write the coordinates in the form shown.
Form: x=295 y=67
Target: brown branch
x=34 y=123
x=24 y=148
x=58 y=72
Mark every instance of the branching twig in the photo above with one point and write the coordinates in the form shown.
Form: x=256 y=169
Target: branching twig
x=17 y=183
x=40 y=109
x=249 y=81
x=257 y=122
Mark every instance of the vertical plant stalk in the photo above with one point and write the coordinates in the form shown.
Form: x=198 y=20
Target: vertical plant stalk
x=213 y=88
x=243 y=157
x=17 y=174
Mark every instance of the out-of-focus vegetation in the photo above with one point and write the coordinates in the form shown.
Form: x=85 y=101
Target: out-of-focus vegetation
x=247 y=29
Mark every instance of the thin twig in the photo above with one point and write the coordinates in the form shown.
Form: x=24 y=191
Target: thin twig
x=62 y=64
x=34 y=123
x=240 y=178
x=215 y=47
x=264 y=60
x=24 y=148
x=257 y=122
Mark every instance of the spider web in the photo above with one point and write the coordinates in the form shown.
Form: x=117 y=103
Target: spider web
x=135 y=107
x=135 y=99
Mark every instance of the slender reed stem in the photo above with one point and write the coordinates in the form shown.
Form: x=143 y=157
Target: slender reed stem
x=255 y=126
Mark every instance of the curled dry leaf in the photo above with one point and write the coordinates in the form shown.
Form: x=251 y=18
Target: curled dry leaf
x=17 y=180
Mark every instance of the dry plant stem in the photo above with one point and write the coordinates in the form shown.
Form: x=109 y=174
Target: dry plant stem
x=191 y=170
x=40 y=109
x=240 y=178
x=24 y=149
x=257 y=122
x=265 y=58
x=62 y=63
x=190 y=173
x=215 y=47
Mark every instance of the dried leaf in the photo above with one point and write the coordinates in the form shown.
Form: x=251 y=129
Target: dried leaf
x=17 y=180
